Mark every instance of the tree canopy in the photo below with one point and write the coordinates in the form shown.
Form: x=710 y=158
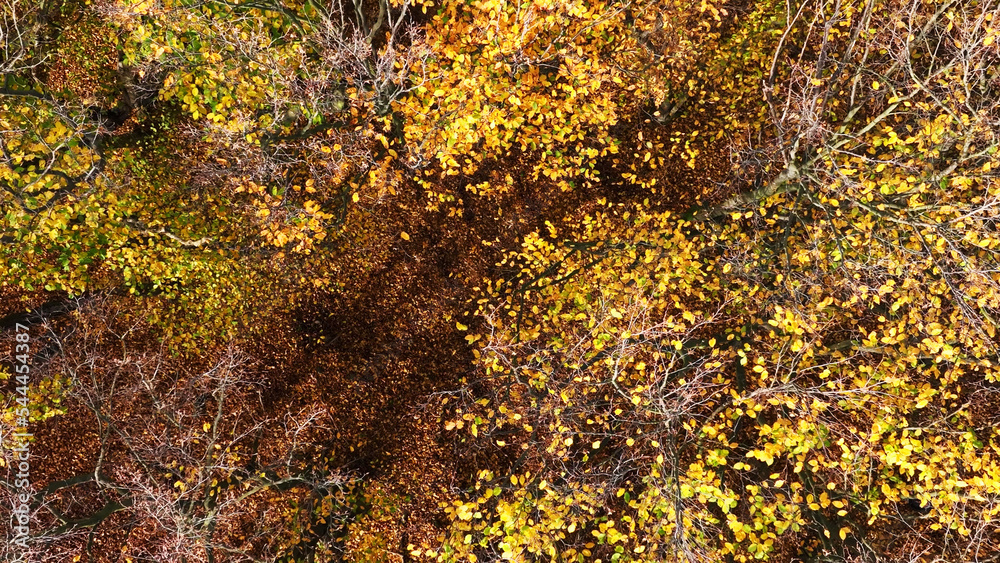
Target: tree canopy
x=400 y=280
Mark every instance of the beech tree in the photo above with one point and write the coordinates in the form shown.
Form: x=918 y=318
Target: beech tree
x=184 y=463
x=788 y=369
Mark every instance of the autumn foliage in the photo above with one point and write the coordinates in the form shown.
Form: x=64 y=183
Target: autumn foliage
x=594 y=281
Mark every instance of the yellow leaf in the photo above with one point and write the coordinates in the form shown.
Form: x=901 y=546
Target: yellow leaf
x=461 y=326
x=207 y=426
x=404 y=235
